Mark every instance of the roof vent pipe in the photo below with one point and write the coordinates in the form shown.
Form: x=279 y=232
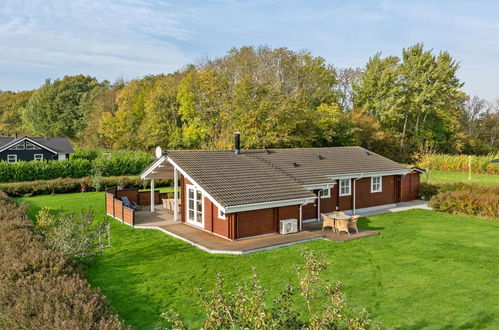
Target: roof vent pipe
x=237 y=143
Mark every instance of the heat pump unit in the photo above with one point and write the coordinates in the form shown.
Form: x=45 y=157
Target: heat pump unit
x=288 y=226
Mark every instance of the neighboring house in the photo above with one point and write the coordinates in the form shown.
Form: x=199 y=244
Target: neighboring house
x=26 y=148
x=247 y=193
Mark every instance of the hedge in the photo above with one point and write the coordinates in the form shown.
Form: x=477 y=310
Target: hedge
x=460 y=163
x=462 y=198
x=481 y=204
x=68 y=185
x=39 y=288
x=114 y=163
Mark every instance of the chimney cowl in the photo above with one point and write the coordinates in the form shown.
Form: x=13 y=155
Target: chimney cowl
x=237 y=143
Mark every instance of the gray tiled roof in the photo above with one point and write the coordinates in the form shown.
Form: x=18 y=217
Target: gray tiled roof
x=255 y=176
x=59 y=144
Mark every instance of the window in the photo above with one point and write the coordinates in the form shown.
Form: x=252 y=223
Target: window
x=345 y=187
x=11 y=159
x=221 y=214
x=325 y=193
x=31 y=146
x=194 y=205
x=38 y=157
x=376 y=183
x=19 y=146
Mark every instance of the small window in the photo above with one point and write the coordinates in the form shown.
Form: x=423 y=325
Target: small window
x=345 y=187
x=38 y=157
x=325 y=193
x=11 y=159
x=376 y=183
x=221 y=214
x=19 y=146
x=31 y=146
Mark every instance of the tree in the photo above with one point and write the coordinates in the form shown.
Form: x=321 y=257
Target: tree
x=415 y=98
x=54 y=109
x=11 y=108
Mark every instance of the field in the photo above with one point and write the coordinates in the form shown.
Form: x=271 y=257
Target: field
x=424 y=270
x=451 y=177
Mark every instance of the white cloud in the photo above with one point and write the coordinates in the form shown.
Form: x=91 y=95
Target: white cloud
x=109 y=39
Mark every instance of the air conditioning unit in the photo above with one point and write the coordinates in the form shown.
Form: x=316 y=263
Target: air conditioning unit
x=288 y=226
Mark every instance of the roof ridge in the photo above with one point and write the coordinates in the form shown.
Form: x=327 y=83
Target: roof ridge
x=274 y=166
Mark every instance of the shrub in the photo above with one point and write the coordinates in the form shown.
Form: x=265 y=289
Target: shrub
x=462 y=198
x=68 y=185
x=246 y=306
x=39 y=288
x=83 y=153
x=460 y=163
x=482 y=204
x=114 y=163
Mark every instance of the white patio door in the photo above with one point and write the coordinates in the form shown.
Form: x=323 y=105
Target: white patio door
x=195 y=203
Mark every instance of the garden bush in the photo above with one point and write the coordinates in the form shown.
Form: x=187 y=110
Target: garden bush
x=68 y=185
x=39 y=288
x=459 y=163
x=86 y=162
x=462 y=198
x=484 y=203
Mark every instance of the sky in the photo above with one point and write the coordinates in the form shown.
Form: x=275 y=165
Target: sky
x=127 y=39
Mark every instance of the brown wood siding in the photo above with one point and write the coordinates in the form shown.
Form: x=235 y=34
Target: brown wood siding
x=329 y=204
x=208 y=214
x=288 y=212
x=220 y=226
x=364 y=197
x=257 y=222
x=345 y=202
x=110 y=204
x=409 y=187
x=128 y=215
x=118 y=209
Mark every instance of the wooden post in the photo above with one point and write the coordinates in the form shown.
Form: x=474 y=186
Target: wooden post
x=152 y=195
x=175 y=194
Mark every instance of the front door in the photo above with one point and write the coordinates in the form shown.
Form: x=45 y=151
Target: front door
x=195 y=213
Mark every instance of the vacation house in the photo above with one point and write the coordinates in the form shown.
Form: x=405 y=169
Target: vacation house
x=238 y=193
x=14 y=149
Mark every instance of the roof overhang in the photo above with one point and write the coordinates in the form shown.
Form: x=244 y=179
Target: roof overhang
x=159 y=169
x=368 y=174
x=14 y=142
x=266 y=205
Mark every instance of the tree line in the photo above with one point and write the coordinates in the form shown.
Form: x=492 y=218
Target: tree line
x=395 y=105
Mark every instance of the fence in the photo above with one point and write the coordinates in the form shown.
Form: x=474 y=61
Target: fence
x=116 y=209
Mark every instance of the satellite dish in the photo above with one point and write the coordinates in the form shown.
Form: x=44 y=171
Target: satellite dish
x=159 y=152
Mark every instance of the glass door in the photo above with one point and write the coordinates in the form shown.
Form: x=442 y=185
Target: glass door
x=194 y=206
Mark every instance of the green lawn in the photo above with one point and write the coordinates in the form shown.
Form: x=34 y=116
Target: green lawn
x=452 y=177
x=425 y=270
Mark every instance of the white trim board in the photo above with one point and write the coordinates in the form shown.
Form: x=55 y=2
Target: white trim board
x=12 y=143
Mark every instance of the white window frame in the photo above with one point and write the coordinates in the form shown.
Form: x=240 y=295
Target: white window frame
x=187 y=209
x=39 y=159
x=349 y=186
x=31 y=146
x=15 y=146
x=380 y=183
x=328 y=193
x=15 y=158
x=221 y=214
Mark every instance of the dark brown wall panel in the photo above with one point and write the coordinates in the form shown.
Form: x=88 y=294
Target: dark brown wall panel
x=289 y=212
x=253 y=223
x=220 y=226
x=364 y=197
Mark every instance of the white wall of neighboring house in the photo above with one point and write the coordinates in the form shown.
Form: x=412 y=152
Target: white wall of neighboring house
x=61 y=156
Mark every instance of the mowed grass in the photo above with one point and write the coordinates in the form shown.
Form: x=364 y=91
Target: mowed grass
x=452 y=177
x=424 y=270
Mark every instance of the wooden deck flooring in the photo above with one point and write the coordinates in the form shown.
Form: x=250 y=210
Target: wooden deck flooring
x=215 y=244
